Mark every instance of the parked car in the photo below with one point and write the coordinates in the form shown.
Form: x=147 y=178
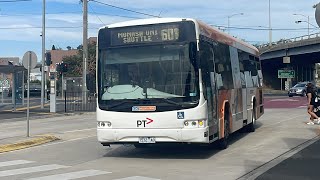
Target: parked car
x=299 y=89
x=4 y=89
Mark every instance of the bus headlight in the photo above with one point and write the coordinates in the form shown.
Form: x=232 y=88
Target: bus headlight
x=103 y=124
x=194 y=124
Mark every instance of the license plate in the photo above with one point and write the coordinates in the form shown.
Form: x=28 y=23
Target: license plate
x=147 y=140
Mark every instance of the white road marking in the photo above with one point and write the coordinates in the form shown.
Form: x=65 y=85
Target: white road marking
x=72 y=175
x=303 y=106
x=15 y=162
x=79 y=130
x=31 y=170
x=137 y=178
x=284 y=100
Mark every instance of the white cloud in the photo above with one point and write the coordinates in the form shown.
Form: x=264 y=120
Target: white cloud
x=65 y=18
x=210 y=11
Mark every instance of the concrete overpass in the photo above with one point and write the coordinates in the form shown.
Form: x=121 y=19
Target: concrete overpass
x=304 y=53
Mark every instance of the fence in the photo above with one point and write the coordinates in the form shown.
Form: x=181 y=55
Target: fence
x=73 y=102
x=295 y=39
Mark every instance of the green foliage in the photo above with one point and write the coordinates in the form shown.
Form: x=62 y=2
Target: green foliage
x=75 y=65
x=35 y=81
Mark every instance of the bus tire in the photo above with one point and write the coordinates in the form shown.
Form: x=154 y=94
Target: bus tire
x=252 y=126
x=223 y=143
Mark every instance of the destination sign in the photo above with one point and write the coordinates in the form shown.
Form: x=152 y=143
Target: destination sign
x=145 y=34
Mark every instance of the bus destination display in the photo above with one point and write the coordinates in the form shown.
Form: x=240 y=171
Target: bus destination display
x=148 y=34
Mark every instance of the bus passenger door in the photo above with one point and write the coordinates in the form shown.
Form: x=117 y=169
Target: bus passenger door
x=209 y=83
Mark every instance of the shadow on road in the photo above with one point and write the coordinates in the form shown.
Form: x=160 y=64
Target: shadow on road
x=174 y=151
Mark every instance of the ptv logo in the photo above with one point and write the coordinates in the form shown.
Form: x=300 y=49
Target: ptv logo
x=143 y=123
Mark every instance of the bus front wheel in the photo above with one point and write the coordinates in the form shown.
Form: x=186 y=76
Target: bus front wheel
x=223 y=143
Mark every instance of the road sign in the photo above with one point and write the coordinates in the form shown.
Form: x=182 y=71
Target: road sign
x=53 y=68
x=286 y=73
x=29 y=55
x=286 y=60
x=29 y=61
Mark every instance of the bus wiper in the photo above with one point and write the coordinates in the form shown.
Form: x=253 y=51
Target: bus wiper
x=172 y=102
x=118 y=104
x=122 y=102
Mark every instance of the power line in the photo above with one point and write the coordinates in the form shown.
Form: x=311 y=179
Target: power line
x=11 y=1
x=132 y=17
x=264 y=29
x=137 y=12
x=96 y=15
x=35 y=27
x=71 y=12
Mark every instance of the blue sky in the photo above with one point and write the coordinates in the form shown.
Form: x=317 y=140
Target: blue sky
x=20 y=22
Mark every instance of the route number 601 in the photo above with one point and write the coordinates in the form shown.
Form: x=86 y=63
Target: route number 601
x=170 y=34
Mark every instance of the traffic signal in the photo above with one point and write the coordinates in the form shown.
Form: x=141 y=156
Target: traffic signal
x=48 y=59
x=64 y=67
x=58 y=67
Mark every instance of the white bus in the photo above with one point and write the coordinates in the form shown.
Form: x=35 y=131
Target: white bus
x=173 y=80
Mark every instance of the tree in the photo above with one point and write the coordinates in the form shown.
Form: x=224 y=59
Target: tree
x=80 y=47
x=53 y=47
x=75 y=65
x=69 y=48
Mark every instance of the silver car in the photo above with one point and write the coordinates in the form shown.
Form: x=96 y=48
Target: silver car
x=299 y=89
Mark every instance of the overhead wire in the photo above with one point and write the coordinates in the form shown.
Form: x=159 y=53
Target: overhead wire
x=36 y=27
x=74 y=12
x=263 y=29
x=129 y=10
x=96 y=15
x=12 y=1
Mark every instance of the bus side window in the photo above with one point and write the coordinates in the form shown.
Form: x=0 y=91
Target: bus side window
x=223 y=66
x=241 y=56
x=206 y=63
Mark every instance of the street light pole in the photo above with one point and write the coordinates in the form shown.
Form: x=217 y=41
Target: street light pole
x=308 y=17
x=229 y=20
x=308 y=26
x=43 y=34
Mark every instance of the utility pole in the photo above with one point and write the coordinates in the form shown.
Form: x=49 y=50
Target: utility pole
x=85 y=50
x=43 y=34
x=270 y=30
x=308 y=26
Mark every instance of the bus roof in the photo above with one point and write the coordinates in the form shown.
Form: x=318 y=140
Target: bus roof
x=201 y=28
x=225 y=38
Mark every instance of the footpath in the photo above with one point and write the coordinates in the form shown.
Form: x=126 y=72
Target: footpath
x=13 y=126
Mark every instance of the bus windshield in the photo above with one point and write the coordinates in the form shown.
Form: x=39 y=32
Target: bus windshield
x=148 y=72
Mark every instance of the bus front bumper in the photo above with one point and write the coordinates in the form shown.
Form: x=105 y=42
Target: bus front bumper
x=114 y=136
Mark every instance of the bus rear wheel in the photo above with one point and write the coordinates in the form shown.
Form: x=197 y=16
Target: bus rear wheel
x=252 y=126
